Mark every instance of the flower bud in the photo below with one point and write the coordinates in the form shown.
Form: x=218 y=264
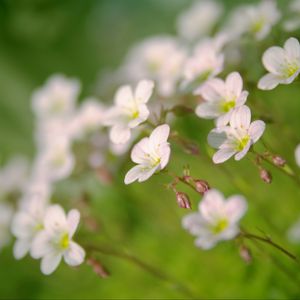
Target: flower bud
x=245 y=254
x=98 y=268
x=201 y=186
x=265 y=176
x=278 y=161
x=183 y=200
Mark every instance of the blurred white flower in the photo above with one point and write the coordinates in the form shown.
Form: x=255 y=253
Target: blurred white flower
x=129 y=111
x=221 y=98
x=26 y=223
x=158 y=58
x=255 y=19
x=56 y=162
x=283 y=64
x=216 y=220
x=55 y=242
x=6 y=213
x=293 y=234
x=13 y=176
x=151 y=154
x=293 y=23
x=87 y=119
x=205 y=63
x=57 y=98
x=297 y=155
x=199 y=19
x=237 y=138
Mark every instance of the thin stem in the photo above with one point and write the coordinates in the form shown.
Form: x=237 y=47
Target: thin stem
x=143 y=265
x=269 y=241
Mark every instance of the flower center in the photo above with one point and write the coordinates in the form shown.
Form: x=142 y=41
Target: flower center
x=258 y=25
x=58 y=160
x=220 y=226
x=57 y=106
x=241 y=144
x=38 y=227
x=290 y=69
x=64 y=241
x=227 y=105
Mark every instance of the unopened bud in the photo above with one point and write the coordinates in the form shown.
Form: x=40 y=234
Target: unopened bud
x=265 y=176
x=201 y=186
x=98 y=268
x=278 y=161
x=183 y=200
x=245 y=254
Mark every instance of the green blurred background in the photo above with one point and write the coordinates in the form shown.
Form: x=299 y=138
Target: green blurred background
x=84 y=38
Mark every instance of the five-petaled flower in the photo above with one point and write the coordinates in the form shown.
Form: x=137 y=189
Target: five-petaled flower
x=216 y=220
x=237 y=138
x=283 y=64
x=221 y=97
x=151 y=154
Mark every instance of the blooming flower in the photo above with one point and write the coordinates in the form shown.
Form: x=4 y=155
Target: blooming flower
x=57 y=98
x=221 y=98
x=216 y=220
x=55 y=242
x=6 y=213
x=283 y=64
x=237 y=138
x=26 y=223
x=199 y=19
x=130 y=110
x=151 y=154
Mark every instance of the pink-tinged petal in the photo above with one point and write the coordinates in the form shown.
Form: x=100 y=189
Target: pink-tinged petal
x=50 y=262
x=140 y=151
x=236 y=206
x=41 y=245
x=133 y=174
x=159 y=135
x=212 y=90
x=124 y=96
x=21 y=248
x=229 y=233
x=206 y=242
x=208 y=110
x=273 y=59
x=165 y=152
x=269 y=82
x=256 y=130
x=195 y=224
x=222 y=155
x=22 y=225
x=242 y=98
x=292 y=47
x=234 y=83
x=241 y=117
x=242 y=153
x=55 y=218
x=144 y=91
x=119 y=134
x=74 y=256
x=223 y=120
x=73 y=218
x=217 y=137
x=212 y=205
x=147 y=173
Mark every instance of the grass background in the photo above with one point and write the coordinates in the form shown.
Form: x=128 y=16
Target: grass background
x=83 y=38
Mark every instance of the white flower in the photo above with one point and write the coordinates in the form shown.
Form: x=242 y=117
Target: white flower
x=221 y=98
x=199 y=19
x=55 y=242
x=283 y=64
x=129 y=111
x=297 y=155
x=205 y=63
x=57 y=98
x=254 y=19
x=27 y=223
x=55 y=162
x=294 y=22
x=88 y=119
x=6 y=213
x=159 y=58
x=151 y=154
x=293 y=233
x=216 y=220
x=237 y=138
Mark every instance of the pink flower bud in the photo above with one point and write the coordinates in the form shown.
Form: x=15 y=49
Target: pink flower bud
x=98 y=268
x=265 y=176
x=201 y=186
x=245 y=254
x=278 y=161
x=183 y=200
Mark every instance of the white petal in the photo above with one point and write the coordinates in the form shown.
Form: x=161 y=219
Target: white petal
x=22 y=224
x=242 y=98
x=143 y=113
x=217 y=137
x=268 y=82
x=21 y=248
x=133 y=174
x=212 y=205
x=229 y=233
x=147 y=173
x=74 y=256
x=208 y=110
x=297 y=155
x=160 y=134
x=124 y=95
x=242 y=153
x=73 y=218
x=50 y=262
x=55 y=218
x=195 y=224
x=119 y=134
x=234 y=83
x=41 y=245
x=256 y=130
x=223 y=120
x=206 y=242
x=165 y=152
x=235 y=207
x=241 y=117
x=222 y=155
x=140 y=151
x=212 y=90
x=273 y=59
x=144 y=91
x=292 y=47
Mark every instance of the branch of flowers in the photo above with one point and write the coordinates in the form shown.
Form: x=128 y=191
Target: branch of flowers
x=270 y=242
x=143 y=265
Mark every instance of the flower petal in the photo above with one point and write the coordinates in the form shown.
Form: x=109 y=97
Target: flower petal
x=21 y=248
x=139 y=153
x=292 y=47
x=159 y=135
x=242 y=153
x=234 y=83
x=206 y=242
x=119 y=134
x=124 y=96
x=208 y=110
x=41 y=245
x=55 y=218
x=273 y=59
x=269 y=82
x=297 y=155
x=256 y=130
x=235 y=208
x=212 y=205
x=50 y=262
x=144 y=91
x=73 y=218
x=74 y=256
x=241 y=117
x=222 y=155
x=217 y=137
x=133 y=174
